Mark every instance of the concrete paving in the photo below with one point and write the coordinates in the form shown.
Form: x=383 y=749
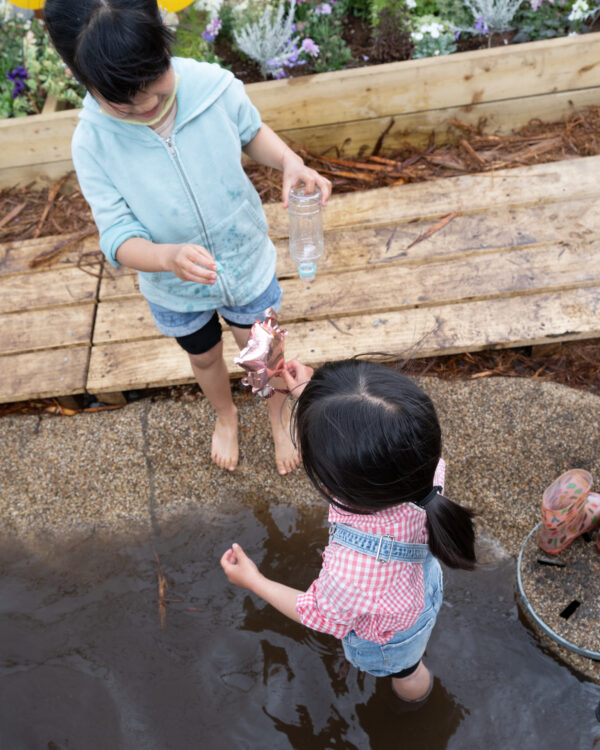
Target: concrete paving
x=120 y=471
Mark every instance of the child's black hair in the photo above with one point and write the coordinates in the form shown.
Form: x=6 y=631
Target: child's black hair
x=113 y=47
x=370 y=439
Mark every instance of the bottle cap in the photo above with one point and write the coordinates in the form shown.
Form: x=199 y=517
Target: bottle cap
x=307 y=271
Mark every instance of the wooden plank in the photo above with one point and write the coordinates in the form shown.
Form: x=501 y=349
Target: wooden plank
x=384 y=288
x=573 y=179
x=53 y=372
x=37 y=139
x=357 y=137
x=41 y=174
x=46 y=329
x=118 y=282
x=467 y=235
x=50 y=105
x=420 y=332
x=15 y=256
x=65 y=286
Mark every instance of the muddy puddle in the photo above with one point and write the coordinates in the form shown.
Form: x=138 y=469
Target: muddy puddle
x=85 y=665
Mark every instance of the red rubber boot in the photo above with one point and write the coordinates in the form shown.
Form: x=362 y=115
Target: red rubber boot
x=569 y=509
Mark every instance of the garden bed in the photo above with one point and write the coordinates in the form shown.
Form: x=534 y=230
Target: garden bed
x=497 y=90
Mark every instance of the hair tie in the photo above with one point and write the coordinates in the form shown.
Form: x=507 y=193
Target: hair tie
x=435 y=491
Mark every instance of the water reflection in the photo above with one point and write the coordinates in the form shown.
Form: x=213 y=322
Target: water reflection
x=84 y=663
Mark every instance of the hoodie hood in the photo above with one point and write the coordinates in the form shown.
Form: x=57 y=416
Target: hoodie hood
x=200 y=85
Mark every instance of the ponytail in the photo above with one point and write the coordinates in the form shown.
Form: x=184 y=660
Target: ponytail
x=450 y=531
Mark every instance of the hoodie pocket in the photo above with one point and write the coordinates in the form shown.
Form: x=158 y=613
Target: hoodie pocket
x=239 y=234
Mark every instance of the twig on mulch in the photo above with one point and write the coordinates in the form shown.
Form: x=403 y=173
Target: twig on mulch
x=50 y=256
x=43 y=211
x=52 y=193
x=435 y=228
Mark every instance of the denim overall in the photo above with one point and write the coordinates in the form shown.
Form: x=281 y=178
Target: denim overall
x=407 y=647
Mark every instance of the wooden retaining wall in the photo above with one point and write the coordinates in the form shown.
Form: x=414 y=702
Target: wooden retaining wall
x=505 y=86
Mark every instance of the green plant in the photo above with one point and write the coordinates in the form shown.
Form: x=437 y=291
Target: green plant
x=248 y=12
x=425 y=8
x=392 y=35
x=188 y=36
x=324 y=26
x=543 y=21
x=583 y=15
x=269 y=40
x=455 y=12
x=491 y=16
x=12 y=32
x=433 y=38
x=377 y=6
x=48 y=75
x=358 y=8
x=31 y=70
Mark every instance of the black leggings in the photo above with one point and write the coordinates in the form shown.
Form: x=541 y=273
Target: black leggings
x=406 y=672
x=206 y=337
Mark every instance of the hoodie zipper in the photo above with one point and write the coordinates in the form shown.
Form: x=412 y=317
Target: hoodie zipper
x=179 y=167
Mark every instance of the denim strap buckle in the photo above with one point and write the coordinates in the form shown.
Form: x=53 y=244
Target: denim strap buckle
x=390 y=542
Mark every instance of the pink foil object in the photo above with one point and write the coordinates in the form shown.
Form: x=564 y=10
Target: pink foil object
x=262 y=358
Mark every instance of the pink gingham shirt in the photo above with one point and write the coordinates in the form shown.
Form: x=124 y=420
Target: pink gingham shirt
x=357 y=592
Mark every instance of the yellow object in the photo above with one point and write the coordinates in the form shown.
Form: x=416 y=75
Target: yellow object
x=173 y=6
x=29 y=4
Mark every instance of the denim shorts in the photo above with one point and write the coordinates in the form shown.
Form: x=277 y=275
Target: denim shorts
x=178 y=324
x=407 y=646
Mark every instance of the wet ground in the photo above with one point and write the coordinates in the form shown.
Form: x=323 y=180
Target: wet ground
x=86 y=665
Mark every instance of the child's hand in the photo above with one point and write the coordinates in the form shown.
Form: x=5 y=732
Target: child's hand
x=295 y=171
x=239 y=568
x=192 y=263
x=296 y=376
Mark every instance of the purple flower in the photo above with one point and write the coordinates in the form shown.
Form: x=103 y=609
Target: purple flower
x=310 y=47
x=481 y=25
x=212 y=29
x=18 y=76
x=323 y=10
x=279 y=73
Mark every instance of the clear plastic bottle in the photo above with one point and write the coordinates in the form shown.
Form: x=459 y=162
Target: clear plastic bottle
x=306 y=230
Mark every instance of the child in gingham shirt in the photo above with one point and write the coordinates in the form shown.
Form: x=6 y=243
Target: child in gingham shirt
x=370 y=442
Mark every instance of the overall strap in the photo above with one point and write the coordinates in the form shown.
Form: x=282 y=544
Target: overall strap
x=382 y=547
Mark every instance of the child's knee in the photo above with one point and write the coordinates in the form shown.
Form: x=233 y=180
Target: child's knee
x=208 y=359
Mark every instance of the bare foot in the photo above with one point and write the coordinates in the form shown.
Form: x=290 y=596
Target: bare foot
x=286 y=455
x=225 y=452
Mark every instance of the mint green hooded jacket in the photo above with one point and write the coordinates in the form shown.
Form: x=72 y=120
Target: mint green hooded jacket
x=188 y=189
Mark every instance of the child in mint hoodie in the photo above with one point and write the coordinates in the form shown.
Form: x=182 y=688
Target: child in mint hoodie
x=158 y=152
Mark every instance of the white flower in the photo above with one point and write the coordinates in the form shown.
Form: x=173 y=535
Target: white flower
x=417 y=36
x=212 y=6
x=580 y=11
x=411 y=3
x=171 y=20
